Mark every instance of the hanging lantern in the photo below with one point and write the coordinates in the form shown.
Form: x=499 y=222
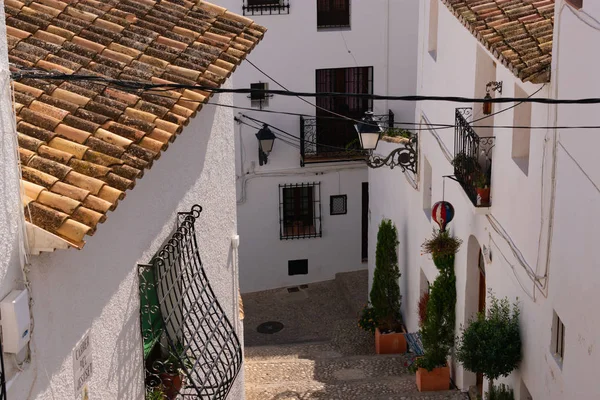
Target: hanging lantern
x=442 y=213
x=487 y=105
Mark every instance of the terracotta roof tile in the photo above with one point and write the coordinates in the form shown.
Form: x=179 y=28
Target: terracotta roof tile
x=517 y=32
x=83 y=144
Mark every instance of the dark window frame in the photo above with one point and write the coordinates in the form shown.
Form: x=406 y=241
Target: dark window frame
x=333 y=198
x=575 y=3
x=559 y=339
x=257 y=99
x=300 y=211
x=332 y=14
x=266 y=7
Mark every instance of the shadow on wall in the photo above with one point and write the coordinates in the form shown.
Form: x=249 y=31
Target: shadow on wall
x=97 y=287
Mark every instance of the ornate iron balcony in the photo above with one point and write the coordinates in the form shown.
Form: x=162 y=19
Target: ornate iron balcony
x=191 y=350
x=333 y=139
x=472 y=159
x=265 y=7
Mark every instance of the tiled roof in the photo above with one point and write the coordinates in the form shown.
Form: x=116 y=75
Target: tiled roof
x=517 y=32
x=82 y=145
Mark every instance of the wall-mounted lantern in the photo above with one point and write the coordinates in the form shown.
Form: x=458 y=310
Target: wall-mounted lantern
x=488 y=105
x=370 y=131
x=266 y=139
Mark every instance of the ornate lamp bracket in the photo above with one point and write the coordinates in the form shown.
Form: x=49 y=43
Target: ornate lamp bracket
x=404 y=156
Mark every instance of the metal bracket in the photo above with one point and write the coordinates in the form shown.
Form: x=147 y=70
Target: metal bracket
x=405 y=157
x=494 y=86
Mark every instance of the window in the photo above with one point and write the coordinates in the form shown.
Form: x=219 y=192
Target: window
x=297 y=267
x=261 y=7
x=257 y=99
x=427 y=189
x=575 y=3
x=333 y=134
x=333 y=14
x=521 y=137
x=433 y=28
x=338 y=204
x=300 y=211
x=558 y=339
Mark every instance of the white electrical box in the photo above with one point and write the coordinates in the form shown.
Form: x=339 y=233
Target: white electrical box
x=15 y=320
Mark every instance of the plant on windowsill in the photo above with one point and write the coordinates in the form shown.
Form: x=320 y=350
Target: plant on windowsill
x=172 y=375
x=398 y=132
x=383 y=313
x=437 y=330
x=491 y=344
x=156 y=394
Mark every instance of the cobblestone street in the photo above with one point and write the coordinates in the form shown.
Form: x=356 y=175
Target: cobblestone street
x=321 y=353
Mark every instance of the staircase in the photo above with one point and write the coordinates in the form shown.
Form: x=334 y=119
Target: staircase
x=321 y=353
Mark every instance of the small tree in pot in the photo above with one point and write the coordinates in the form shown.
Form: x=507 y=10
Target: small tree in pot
x=491 y=344
x=385 y=294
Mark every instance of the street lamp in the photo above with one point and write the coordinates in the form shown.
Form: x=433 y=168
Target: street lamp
x=487 y=104
x=370 y=131
x=266 y=139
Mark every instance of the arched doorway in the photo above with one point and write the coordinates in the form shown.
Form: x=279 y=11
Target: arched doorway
x=476 y=290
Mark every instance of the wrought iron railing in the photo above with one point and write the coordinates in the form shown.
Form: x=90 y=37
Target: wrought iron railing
x=333 y=139
x=265 y=7
x=191 y=350
x=472 y=159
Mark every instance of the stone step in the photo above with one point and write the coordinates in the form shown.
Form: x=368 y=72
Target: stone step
x=382 y=388
x=292 y=351
x=327 y=370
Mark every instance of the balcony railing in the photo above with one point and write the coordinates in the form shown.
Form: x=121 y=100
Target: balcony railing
x=333 y=139
x=472 y=159
x=191 y=350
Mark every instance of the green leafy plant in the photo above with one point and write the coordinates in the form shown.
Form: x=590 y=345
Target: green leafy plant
x=480 y=180
x=398 y=132
x=491 y=344
x=385 y=292
x=156 y=394
x=368 y=319
x=465 y=162
x=500 y=392
x=441 y=246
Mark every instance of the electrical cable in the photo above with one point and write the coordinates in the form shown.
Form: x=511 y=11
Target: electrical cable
x=170 y=86
x=508 y=108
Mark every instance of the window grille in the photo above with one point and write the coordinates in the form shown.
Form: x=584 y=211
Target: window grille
x=300 y=211
x=338 y=204
x=333 y=13
x=266 y=7
x=190 y=347
x=258 y=99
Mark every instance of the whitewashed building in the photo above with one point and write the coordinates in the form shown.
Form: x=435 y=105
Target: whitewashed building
x=101 y=316
x=303 y=216
x=534 y=241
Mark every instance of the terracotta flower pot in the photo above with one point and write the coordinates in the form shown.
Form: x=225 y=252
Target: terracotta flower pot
x=435 y=380
x=483 y=196
x=389 y=343
x=172 y=384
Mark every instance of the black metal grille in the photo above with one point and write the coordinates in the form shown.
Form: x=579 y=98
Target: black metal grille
x=191 y=350
x=338 y=205
x=266 y=7
x=333 y=13
x=472 y=157
x=2 y=375
x=300 y=211
x=326 y=139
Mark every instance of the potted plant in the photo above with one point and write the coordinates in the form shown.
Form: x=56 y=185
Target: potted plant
x=491 y=344
x=173 y=373
x=383 y=313
x=156 y=394
x=465 y=166
x=482 y=187
x=437 y=330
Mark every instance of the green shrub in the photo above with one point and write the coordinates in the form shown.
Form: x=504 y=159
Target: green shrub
x=368 y=319
x=491 y=344
x=385 y=292
x=500 y=392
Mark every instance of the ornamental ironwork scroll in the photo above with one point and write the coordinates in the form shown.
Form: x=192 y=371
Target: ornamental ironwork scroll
x=404 y=157
x=191 y=350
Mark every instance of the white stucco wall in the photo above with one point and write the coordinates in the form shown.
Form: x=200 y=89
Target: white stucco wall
x=382 y=35
x=520 y=203
x=97 y=288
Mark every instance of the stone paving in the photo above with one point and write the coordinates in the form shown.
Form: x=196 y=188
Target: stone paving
x=321 y=353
